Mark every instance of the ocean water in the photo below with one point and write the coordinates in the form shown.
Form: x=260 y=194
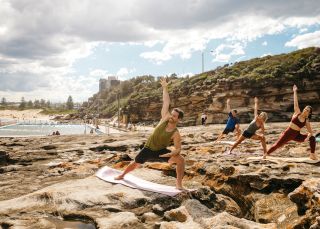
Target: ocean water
x=42 y=129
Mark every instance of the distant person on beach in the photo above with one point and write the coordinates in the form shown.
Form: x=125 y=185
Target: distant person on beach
x=256 y=124
x=298 y=121
x=203 y=119
x=129 y=126
x=156 y=147
x=233 y=123
x=53 y=133
x=57 y=132
x=318 y=137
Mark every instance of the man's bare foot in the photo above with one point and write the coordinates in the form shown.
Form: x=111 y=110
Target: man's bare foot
x=181 y=188
x=120 y=177
x=227 y=152
x=265 y=156
x=313 y=156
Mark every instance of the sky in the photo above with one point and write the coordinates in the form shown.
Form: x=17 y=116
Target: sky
x=50 y=49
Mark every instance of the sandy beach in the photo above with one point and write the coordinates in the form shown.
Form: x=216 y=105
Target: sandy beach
x=25 y=114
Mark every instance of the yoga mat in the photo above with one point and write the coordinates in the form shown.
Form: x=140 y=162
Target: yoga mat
x=226 y=142
x=287 y=159
x=107 y=174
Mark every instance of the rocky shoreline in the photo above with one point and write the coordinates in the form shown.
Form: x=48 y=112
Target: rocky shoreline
x=47 y=182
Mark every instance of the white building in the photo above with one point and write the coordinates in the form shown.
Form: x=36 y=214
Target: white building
x=106 y=84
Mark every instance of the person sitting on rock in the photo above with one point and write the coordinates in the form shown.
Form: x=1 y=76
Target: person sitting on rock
x=165 y=132
x=134 y=127
x=256 y=124
x=203 y=119
x=298 y=121
x=232 y=123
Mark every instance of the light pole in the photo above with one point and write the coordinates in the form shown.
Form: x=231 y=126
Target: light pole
x=202 y=58
x=118 y=108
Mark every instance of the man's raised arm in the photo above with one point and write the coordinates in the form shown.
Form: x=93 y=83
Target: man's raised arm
x=228 y=106
x=166 y=99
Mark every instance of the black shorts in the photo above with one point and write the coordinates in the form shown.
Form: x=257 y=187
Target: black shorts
x=247 y=134
x=227 y=131
x=149 y=155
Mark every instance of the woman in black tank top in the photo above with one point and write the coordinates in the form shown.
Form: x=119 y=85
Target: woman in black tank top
x=256 y=124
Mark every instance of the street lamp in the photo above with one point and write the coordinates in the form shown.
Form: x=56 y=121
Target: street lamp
x=202 y=58
x=118 y=95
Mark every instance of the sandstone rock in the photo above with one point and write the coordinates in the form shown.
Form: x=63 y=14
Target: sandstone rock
x=150 y=217
x=164 y=203
x=205 y=196
x=160 y=166
x=4 y=157
x=197 y=210
x=49 y=147
x=307 y=198
x=179 y=214
x=276 y=208
x=119 y=220
x=177 y=225
x=225 y=220
x=30 y=190
x=225 y=203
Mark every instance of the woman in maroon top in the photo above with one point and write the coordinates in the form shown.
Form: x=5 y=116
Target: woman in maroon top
x=298 y=121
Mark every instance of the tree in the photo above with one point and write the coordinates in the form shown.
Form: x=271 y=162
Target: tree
x=36 y=104
x=42 y=103
x=30 y=104
x=48 y=104
x=3 y=101
x=69 y=103
x=23 y=104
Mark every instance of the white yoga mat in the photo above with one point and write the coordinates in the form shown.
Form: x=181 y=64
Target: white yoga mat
x=226 y=142
x=287 y=159
x=107 y=174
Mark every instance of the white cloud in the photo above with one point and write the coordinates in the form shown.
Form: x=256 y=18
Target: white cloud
x=150 y=44
x=303 y=30
x=98 y=73
x=266 y=54
x=186 y=74
x=175 y=46
x=305 y=40
x=265 y=43
x=123 y=73
x=224 y=52
x=41 y=40
x=184 y=42
x=302 y=21
x=156 y=57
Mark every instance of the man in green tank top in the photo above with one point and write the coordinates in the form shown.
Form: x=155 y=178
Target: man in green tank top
x=165 y=132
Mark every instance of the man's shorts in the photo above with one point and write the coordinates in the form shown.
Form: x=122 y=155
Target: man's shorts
x=227 y=131
x=153 y=156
